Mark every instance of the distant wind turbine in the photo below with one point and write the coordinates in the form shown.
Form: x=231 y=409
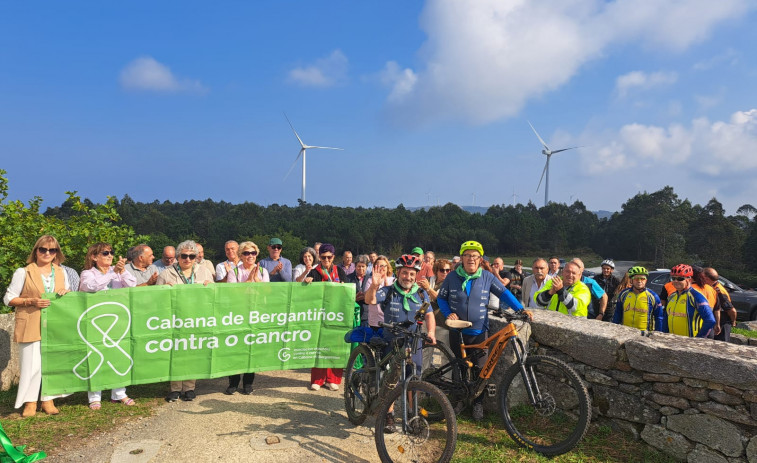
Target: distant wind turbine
x=548 y=153
x=303 y=153
x=514 y=196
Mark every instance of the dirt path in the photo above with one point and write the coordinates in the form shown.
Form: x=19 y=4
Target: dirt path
x=310 y=426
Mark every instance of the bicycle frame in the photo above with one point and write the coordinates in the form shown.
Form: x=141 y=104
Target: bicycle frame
x=496 y=344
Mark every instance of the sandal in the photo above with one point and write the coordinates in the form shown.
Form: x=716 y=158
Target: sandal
x=126 y=401
x=94 y=405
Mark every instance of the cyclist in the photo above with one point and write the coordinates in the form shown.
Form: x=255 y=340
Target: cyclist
x=400 y=302
x=637 y=306
x=726 y=317
x=464 y=296
x=609 y=283
x=567 y=295
x=687 y=312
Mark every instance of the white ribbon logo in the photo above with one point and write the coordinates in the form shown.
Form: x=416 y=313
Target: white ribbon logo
x=284 y=354
x=105 y=318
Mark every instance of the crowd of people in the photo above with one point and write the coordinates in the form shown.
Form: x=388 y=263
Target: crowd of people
x=464 y=287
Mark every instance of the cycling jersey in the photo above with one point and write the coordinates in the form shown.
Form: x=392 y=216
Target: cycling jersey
x=394 y=312
x=573 y=300
x=688 y=314
x=639 y=310
x=470 y=303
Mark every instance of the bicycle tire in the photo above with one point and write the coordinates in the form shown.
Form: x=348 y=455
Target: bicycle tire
x=421 y=441
x=561 y=416
x=359 y=387
x=441 y=370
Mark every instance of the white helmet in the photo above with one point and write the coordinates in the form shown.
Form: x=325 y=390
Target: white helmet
x=608 y=262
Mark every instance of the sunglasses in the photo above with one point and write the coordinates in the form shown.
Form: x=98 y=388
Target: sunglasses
x=188 y=256
x=445 y=270
x=678 y=278
x=249 y=253
x=326 y=257
x=639 y=278
x=276 y=246
x=107 y=253
x=46 y=250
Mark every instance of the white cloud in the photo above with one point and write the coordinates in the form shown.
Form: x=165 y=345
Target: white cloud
x=710 y=148
x=325 y=72
x=643 y=81
x=484 y=59
x=145 y=73
x=401 y=81
x=728 y=58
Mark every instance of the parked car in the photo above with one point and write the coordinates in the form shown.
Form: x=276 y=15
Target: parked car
x=744 y=301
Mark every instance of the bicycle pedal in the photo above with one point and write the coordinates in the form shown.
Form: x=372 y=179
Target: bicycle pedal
x=491 y=390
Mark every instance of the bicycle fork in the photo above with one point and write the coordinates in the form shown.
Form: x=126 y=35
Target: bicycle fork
x=528 y=375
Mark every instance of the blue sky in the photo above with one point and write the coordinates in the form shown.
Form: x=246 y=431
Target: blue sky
x=430 y=100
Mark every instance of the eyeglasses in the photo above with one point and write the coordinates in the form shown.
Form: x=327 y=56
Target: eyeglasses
x=678 y=278
x=445 y=270
x=639 y=278
x=46 y=250
x=249 y=253
x=322 y=257
x=107 y=253
x=471 y=257
x=276 y=246
x=188 y=256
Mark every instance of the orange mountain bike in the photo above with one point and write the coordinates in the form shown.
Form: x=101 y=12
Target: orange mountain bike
x=543 y=402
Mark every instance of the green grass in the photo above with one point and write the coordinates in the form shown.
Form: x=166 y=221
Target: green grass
x=488 y=441
x=76 y=422
x=747 y=333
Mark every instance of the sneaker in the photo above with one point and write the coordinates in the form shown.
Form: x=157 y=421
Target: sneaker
x=230 y=390
x=478 y=412
x=247 y=390
x=189 y=396
x=315 y=387
x=389 y=427
x=173 y=396
x=332 y=386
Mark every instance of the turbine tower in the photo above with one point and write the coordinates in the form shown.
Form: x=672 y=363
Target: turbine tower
x=303 y=153
x=548 y=153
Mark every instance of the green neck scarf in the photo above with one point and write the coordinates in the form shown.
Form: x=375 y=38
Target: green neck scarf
x=463 y=274
x=409 y=295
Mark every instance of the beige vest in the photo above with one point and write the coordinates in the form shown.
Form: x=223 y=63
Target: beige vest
x=28 y=316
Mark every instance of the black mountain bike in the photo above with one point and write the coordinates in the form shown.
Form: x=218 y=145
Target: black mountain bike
x=376 y=384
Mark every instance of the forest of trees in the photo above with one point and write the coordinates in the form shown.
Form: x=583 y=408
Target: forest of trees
x=658 y=228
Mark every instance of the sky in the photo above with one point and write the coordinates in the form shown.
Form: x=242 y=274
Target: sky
x=430 y=101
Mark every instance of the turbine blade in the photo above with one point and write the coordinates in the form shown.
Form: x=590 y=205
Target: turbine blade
x=566 y=149
x=294 y=163
x=324 y=148
x=295 y=132
x=538 y=136
x=542 y=174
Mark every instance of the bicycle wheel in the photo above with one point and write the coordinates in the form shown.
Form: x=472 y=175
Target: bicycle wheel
x=441 y=370
x=560 y=415
x=359 y=387
x=416 y=438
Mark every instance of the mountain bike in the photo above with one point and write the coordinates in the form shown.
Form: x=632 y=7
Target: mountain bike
x=544 y=404
x=376 y=384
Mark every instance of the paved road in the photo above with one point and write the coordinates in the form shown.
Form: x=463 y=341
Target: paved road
x=311 y=427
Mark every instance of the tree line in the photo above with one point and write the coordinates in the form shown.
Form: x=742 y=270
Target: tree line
x=658 y=228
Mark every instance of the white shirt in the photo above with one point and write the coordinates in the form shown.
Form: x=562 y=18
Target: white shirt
x=18 y=280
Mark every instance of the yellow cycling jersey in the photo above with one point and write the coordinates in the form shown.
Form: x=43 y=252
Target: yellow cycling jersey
x=677 y=311
x=636 y=310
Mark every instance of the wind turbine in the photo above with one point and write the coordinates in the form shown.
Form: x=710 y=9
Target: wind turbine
x=548 y=153
x=303 y=153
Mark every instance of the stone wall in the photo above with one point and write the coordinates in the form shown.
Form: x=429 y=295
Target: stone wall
x=694 y=399
x=9 y=367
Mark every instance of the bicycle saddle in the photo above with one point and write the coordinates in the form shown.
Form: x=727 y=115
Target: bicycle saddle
x=377 y=342
x=458 y=324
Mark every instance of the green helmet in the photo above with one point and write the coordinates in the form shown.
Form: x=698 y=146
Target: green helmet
x=637 y=270
x=473 y=245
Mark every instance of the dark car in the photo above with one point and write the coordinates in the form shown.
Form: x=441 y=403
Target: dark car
x=744 y=301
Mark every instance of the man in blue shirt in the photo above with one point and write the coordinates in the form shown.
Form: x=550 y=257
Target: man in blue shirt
x=279 y=268
x=464 y=295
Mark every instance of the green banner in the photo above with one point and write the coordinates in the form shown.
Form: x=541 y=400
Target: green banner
x=114 y=338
